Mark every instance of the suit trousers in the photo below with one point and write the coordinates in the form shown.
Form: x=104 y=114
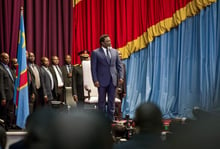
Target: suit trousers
x=110 y=91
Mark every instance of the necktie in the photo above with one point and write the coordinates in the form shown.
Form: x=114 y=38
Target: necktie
x=59 y=72
x=70 y=68
x=36 y=75
x=108 y=56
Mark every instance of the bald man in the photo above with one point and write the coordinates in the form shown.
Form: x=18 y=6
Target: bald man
x=46 y=81
x=6 y=91
x=58 y=91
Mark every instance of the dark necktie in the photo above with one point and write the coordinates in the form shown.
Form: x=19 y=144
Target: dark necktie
x=69 y=69
x=108 y=56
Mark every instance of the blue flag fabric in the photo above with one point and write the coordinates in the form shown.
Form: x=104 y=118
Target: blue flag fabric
x=21 y=83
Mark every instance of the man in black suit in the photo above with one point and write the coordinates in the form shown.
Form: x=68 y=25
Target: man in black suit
x=56 y=72
x=77 y=77
x=67 y=71
x=34 y=81
x=47 y=82
x=6 y=91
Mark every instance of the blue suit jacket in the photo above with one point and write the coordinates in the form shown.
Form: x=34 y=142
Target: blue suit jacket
x=102 y=70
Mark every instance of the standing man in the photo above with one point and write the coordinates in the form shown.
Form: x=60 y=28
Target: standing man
x=6 y=91
x=46 y=81
x=77 y=86
x=58 y=92
x=34 y=84
x=67 y=71
x=106 y=67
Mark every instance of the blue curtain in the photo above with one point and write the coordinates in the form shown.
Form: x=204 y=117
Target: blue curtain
x=178 y=70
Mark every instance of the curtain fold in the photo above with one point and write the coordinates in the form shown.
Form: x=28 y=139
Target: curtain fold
x=48 y=25
x=178 y=70
x=9 y=26
x=131 y=24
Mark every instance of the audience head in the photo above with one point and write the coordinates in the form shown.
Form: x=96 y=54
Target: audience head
x=39 y=127
x=105 y=41
x=148 y=118
x=68 y=59
x=199 y=134
x=55 y=60
x=31 y=57
x=4 y=58
x=82 y=129
x=45 y=62
x=3 y=138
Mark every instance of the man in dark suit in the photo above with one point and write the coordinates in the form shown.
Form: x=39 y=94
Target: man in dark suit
x=34 y=82
x=46 y=80
x=56 y=72
x=67 y=71
x=106 y=67
x=77 y=86
x=6 y=91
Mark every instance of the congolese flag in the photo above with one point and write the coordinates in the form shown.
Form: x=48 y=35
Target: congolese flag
x=21 y=82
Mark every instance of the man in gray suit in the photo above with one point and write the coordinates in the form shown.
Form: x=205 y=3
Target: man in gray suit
x=106 y=67
x=46 y=81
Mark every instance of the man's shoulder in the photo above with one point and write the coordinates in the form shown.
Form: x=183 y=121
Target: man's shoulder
x=96 y=50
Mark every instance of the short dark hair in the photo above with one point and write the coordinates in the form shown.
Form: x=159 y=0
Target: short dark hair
x=102 y=38
x=148 y=117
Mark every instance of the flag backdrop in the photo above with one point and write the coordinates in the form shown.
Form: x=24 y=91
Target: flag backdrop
x=21 y=83
x=131 y=24
x=177 y=70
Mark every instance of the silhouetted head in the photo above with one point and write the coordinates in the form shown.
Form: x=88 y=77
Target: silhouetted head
x=148 y=118
x=39 y=127
x=80 y=129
